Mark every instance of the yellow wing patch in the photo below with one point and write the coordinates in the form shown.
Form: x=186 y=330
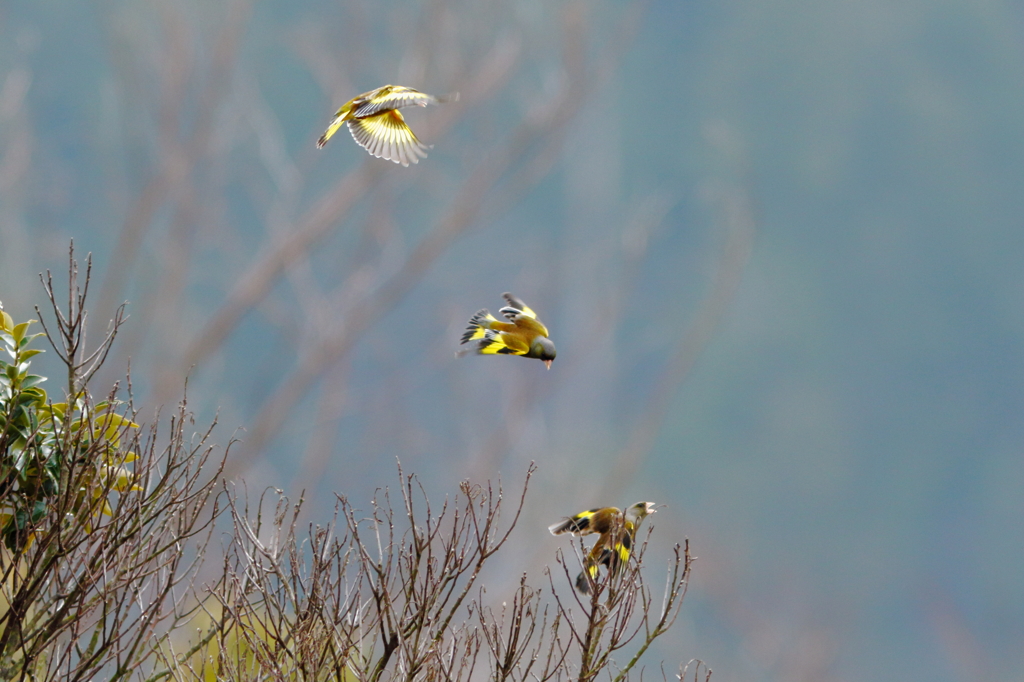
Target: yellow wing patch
x=495 y=343
x=533 y=323
x=528 y=311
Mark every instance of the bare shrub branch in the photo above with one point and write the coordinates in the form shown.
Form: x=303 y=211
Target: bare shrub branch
x=103 y=522
x=385 y=595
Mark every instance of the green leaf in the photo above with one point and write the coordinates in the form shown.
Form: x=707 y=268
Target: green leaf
x=31 y=380
x=59 y=409
x=30 y=353
x=6 y=322
x=27 y=396
x=28 y=339
x=10 y=531
x=113 y=419
x=19 y=331
x=21 y=454
x=39 y=511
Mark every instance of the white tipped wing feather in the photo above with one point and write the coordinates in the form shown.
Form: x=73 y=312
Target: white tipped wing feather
x=386 y=136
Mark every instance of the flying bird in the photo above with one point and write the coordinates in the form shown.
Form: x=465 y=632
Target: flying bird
x=616 y=530
x=377 y=125
x=523 y=334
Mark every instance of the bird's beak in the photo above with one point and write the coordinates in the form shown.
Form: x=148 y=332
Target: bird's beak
x=548 y=363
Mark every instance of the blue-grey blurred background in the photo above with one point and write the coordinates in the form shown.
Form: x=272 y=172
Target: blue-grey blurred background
x=778 y=244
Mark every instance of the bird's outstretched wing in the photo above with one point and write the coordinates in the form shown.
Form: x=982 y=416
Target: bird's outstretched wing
x=515 y=303
x=390 y=97
x=488 y=333
x=522 y=315
x=389 y=137
x=596 y=520
x=386 y=136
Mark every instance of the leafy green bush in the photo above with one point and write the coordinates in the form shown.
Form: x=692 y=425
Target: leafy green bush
x=29 y=468
x=36 y=438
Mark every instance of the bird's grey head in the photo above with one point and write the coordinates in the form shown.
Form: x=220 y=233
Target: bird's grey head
x=639 y=511
x=543 y=348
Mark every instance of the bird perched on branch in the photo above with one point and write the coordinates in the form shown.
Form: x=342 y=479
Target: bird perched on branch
x=377 y=125
x=617 y=532
x=523 y=334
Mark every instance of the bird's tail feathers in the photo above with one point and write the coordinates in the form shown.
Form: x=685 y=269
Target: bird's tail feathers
x=478 y=325
x=331 y=129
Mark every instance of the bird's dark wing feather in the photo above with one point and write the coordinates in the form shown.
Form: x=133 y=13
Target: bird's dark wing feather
x=522 y=315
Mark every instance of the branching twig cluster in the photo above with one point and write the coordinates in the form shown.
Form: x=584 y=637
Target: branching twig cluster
x=118 y=521
x=386 y=596
x=621 y=612
x=69 y=338
x=393 y=594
